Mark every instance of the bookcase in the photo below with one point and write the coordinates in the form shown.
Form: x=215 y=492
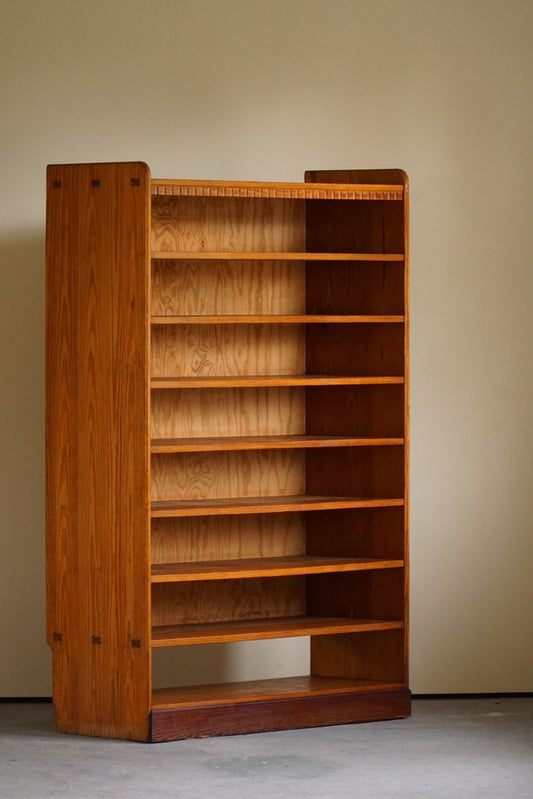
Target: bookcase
x=226 y=444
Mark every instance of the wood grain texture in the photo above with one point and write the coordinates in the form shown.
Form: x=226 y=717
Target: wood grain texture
x=228 y=412
x=267 y=381
x=273 y=255
x=224 y=444
x=359 y=471
x=367 y=533
x=277 y=319
x=261 y=690
x=381 y=531
x=364 y=350
x=219 y=475
x=371 y=410
x=261 y=629
x=227 y=350
x=200 y=224
x=96 y=444
x=283 y=504
x=214 y=601
x=376 y=594
x=377 y=656
x=355 y=288
x=275 y=713
x=264 y=567
x=278 y=378
x=227 y=537
x=245 y=189
x=192 y=288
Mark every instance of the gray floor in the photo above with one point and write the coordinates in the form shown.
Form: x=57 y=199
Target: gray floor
x=449 y=748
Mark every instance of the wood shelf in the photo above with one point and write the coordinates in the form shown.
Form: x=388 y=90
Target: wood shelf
x=267 y=381
x=168 y=445
x=225 y=255
x=265 y=567
x=294 y=319
x=261 y=690
x=250 y=505
x=273 y=190
x=262 y=629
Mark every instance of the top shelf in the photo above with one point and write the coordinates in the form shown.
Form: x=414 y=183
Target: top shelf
x=277 y=191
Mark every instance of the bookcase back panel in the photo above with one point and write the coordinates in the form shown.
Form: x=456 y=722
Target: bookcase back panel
x=227 y=600
x=196 y=224
x=191 y=413
x=227 y=537
x=218 y=350
x=217 y=475
x=197 y=288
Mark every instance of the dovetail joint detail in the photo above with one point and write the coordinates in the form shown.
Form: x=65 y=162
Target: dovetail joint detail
x=96 y=639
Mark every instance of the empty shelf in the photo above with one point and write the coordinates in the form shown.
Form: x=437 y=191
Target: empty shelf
x=265 y=567
x=254 y=630
x=221 y=444
x=248 y=505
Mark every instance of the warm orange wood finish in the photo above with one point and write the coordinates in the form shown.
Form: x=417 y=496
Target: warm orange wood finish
x=227 y=444
x=312 y=709
x=266 y=442
x=291 y=627
x=381 y=227
x=271 y=320
x=318 y=191
x=261 y=690
x=233 y=255
x=97 y=452
x=263 y=567
x=219 y=507
x=266 y=381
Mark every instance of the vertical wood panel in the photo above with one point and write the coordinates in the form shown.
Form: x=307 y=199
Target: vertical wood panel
x=371 y=656
x=97 y=447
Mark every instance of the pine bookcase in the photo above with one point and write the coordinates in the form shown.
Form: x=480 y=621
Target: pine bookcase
x=227 y=444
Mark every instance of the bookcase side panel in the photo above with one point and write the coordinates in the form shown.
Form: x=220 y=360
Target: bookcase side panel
x=97 y=447
x=369 y=227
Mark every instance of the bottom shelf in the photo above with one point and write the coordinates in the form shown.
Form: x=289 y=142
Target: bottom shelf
x=260 y=690
x=259 y=706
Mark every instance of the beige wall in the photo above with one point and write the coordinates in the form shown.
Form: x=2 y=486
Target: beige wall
x=263 y=89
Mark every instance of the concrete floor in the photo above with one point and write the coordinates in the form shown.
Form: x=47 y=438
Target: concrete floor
x=449 y=748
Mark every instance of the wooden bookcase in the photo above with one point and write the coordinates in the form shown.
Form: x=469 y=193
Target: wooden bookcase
x=227 y=439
